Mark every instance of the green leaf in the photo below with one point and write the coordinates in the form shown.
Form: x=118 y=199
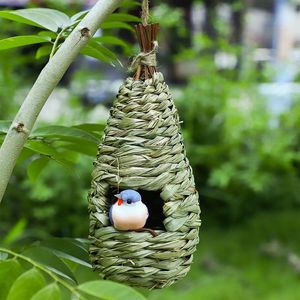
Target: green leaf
x=43 y=51
x=69 y=249
x=130 y=3
x=47 y=18
x=15 y=232
x=108 y=53
x=46 y=257
x=91 y=127
x=95 y=129
x=79 y=15
x=23 y=40
x=84 y=243
x=109 y=290
x=10 y=15
x=64 y=133
x=95 y=53
x=87 y=148
x=44 y=14
x=121 y=17
x=100 y=52
x=10 y=270
x=41 y=148
x=111 y=40
x=84 y=274
x=35 y=168
x=50 y=34
x=115 y=24
x=4 y=126
x=25 y=154
x=26 y=285
x=49 y=292
x=66 y=159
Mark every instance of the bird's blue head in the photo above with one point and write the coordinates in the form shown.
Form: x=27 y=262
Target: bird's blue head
x=128 y=196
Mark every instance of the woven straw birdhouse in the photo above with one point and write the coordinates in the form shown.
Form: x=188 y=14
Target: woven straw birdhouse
x=142 y=149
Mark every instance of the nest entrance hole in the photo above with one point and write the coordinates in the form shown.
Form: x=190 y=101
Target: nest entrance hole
x=152 y=200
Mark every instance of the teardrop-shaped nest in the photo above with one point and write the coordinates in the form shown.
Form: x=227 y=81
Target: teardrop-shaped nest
x=142 y=149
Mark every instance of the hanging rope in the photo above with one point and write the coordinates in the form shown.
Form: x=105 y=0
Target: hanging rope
x=145 y=58
x=145 y=12
x=144 y=64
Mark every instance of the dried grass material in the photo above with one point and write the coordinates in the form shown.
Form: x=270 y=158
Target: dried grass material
x=143 y=149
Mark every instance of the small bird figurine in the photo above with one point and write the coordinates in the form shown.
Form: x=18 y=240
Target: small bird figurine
x=129 y=212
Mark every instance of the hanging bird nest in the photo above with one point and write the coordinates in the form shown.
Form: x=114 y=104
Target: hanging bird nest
x=143 y=149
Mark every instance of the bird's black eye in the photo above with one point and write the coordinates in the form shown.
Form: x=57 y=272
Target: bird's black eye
x=129 y=201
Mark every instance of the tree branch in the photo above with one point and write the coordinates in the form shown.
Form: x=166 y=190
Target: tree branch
x=45 y=84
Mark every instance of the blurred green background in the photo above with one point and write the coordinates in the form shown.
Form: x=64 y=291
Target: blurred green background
x=233 y=69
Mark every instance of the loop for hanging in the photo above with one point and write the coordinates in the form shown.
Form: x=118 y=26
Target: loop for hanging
x=144 y=64
x=145 y=59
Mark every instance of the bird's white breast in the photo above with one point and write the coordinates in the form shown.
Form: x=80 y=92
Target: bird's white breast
x=129 y=216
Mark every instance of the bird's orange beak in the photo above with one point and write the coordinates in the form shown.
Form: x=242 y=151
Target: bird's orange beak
x=119 y=201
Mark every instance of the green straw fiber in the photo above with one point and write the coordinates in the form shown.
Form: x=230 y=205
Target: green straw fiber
x=143 y=149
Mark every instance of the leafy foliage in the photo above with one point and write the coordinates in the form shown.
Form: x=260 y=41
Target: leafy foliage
x=50 y=270
x=245 y=158
x=57 y=143
x=24 y=40
x=57 y=26
x=46 y=18
x=66 y=151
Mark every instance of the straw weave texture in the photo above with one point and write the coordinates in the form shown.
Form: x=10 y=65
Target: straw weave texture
x=142 y=149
